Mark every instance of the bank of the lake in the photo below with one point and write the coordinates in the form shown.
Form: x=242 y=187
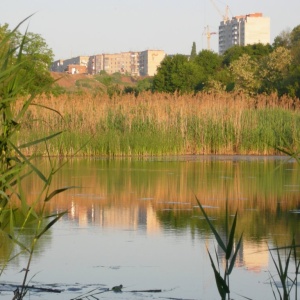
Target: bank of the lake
x=164 y=124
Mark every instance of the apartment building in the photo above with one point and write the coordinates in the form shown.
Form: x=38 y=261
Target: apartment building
x=149 y=61
x=244 y=30
x=79 y=65
x=124 y=63
x=143 y=63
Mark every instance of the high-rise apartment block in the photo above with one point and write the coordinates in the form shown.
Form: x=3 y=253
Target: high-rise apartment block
x=244 y=30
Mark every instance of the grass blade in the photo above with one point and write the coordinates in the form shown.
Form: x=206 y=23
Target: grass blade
x=231 y=238
x=58 y=191
x=217 y=236
x=221 y=284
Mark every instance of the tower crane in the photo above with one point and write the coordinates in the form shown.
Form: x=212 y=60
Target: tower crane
x=208 y=34
x=225 y=16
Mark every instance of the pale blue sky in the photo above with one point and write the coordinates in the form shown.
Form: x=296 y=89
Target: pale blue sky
x=86 y=27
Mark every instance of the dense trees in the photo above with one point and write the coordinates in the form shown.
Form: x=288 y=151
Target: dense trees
x=252 y=69
x=36 y=58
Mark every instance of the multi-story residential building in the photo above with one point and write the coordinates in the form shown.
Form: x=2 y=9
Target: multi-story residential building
x=149 y=61
x=244 y=30
x=57 y=66
x=124 y=62
x=63 y=65
x=143 y=63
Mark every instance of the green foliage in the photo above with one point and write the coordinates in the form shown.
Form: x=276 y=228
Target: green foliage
x=274 y=69
x=16 y=57
x=295 y=35
x=172 y=71
x=283 y=39
x=287 y=284
x=255 y=51
x=227 y=248
x=144 y=84
x=244 y=72
x=193 y=51
x=36 y=59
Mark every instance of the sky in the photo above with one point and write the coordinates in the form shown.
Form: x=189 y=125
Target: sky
x=86 y=27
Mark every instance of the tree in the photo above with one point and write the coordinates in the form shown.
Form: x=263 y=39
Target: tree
x=295 y=35
x=291 y=83
x=274 y=68
x=255 y=51
x=36 y=58
x=176 y=73
x=193 y=51
x=209 y=64
x=283 y=39
x=244 y=72
x=209 y=61
x=232 y=54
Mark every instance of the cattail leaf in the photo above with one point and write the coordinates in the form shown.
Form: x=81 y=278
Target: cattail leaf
x=50 y=224
x=58 y=191
x=221 y=283
x=231 y=238
x=21 y=245
x=47 y=107
x=34 y=168
x=232 y=262
x=44 y=139
x=217 y=236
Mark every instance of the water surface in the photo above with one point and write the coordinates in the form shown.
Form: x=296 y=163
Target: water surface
x=136 y=223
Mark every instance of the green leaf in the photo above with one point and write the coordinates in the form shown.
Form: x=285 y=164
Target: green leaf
x=50 y=224
x=221 y=284
x=231 y=238
x=34 y=168
x=58 y=191
x=217 y=236
x=232 y=262
x=21 y=245
x=44 y=139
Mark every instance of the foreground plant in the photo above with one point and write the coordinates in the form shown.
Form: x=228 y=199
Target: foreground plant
x=287 y=283
x=230 y=253
x=17 y=212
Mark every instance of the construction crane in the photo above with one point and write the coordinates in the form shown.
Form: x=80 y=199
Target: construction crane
x=225 y=16
x=208 y=34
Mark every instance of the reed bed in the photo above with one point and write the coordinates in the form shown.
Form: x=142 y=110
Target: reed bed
x=164 y=124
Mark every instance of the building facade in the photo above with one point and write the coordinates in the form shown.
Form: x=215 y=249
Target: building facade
x=124 y=63
x=149 y=61
x=143 y=63
x=244 y=30
x=79 y=65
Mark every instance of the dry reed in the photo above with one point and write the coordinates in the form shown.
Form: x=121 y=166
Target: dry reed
x=160 y=124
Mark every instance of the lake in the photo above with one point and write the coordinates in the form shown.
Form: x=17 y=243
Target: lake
x=136 y=222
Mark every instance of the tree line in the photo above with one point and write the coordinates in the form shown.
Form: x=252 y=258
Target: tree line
x=251 y=69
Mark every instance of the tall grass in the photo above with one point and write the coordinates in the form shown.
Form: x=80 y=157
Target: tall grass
x=17 y=215
x=161 y=124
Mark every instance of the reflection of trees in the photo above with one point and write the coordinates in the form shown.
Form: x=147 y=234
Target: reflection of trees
x=263 y=190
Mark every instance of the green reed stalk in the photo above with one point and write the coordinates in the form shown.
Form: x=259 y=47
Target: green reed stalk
x=160 y=127
x=230 y=253
x=16 y=211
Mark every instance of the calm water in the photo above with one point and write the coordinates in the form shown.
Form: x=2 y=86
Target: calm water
x=136 y=223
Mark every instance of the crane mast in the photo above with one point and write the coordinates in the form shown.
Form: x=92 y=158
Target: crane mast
x=225 y=16
x=208 y=34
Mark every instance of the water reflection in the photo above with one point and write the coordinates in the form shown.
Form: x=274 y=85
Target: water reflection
x=157 y=197
x=160 y=194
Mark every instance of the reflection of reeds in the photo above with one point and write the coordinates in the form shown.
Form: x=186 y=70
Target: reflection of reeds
x=261 y=194
x=153 y=124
